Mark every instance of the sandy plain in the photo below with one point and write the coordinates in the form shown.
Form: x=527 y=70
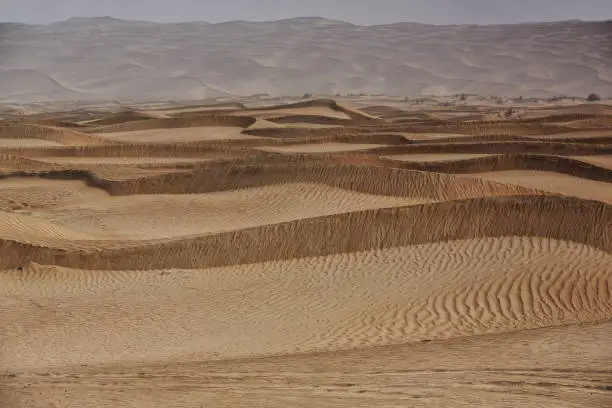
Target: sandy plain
x=189 y=256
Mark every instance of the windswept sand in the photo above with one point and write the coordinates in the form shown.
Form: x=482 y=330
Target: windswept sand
x=120 y=160
x=169 y=216
x=181 y=135
x=435 y=157
x=27 y=143
x=554 y=183
x=320 y=148
x=365 y=299
x=167 y=256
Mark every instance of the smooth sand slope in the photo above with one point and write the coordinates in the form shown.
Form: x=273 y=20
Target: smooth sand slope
x=168 y=259
x=183 y=135
x=168 y=216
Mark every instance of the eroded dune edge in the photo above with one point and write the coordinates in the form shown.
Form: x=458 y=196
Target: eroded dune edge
x=314 y=252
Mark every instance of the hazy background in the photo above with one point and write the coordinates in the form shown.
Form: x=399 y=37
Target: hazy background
x=355 y=11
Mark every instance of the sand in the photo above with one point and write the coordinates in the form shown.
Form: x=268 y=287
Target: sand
x=554 y=183
x=320 y=148
x=27 y=143
x=435 y=157
x=182 y=135
x=152 y=61
x=309 y=111
x=195 y=214
x=120 y=160
x=162 y=260
x=602 y=161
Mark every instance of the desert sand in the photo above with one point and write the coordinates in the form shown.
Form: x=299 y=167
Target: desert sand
x=102 y=59
x=188 y=256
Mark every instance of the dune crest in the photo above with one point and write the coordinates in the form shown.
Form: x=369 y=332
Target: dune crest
x=312 y=253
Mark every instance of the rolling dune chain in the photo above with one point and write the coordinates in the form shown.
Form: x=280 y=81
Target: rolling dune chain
x=316 y=253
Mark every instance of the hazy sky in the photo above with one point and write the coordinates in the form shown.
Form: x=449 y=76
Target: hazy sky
x=355 y=11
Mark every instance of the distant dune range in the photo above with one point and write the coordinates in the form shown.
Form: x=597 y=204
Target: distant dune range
x=108 y=59
x=318 y=253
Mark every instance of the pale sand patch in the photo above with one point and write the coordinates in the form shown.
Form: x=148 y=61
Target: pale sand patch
x=157 y=216
x=552 y=182
x=433 y=136
x=579 y=134
x=25 y=142
x=188 y=134
x=300 y=125
x=279 y=112
x=320 y=148
x=57 y=317
x=602 y=161
x=423 y=158
x=174 y=111
x=31 y=193
x=26 y=226
x=265 y=124
x=120 y=160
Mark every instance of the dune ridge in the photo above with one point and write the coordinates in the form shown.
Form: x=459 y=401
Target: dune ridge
x=489 y=217
x=221 y=254
x=117 y=59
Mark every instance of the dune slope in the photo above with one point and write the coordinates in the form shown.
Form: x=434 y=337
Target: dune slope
x=145 y=262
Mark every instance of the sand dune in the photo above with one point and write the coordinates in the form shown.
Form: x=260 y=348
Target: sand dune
x=566 y=364
x=47 y=134
x=33 y=193
x=603 y=161
x=319 y=148
x=116 y=59
x=223 y=255
x=299 y=112
x=198 y=214
x=435 y=157
x=553 y=182
x=339 y=302
x=27 y=143
x=120 y=160
x=177 y=135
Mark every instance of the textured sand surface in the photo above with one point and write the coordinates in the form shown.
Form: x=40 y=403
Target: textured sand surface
x=119 y=160
x=554 y=182
x=108 y=59
x=27 y=143
x=434 y=157
x=193 y=214
x=177 y=135
x=361 y=299
x=320 y=148
x=181 y=256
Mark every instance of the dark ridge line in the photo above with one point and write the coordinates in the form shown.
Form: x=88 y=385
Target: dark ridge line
x=511 y=147
x=541 y=216
x=314 y=119
x=87 y=176
x=505 y=162
x=230 y=175
x=175 y=123
x=597 y=140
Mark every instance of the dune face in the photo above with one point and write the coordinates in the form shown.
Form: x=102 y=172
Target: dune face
x=106 y=59
x=169 y=255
